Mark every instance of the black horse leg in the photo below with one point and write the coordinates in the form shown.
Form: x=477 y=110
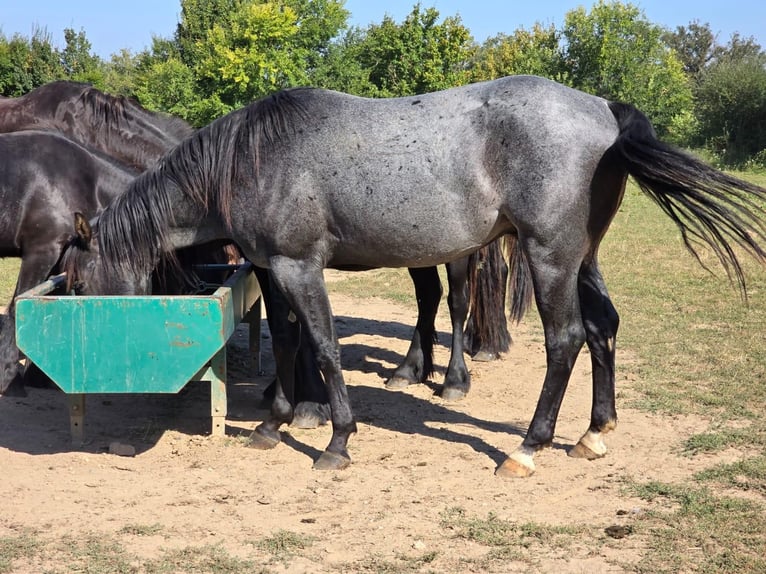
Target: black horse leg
x=555 y=277
x=302 y=283
x=35 y=268
x=457 y=380
x=601 y=323
x=11 y=381
x=285 y=337
x=312 y=404
x=418 y=364
x=312 y=408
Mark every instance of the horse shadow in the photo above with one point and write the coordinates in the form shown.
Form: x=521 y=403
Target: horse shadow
x=39 y=423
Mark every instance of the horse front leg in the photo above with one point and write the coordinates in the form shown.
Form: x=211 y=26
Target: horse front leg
x=303 y=285
x=457 y=380
x=554 y=273
x=35 y=268
x=418 y=364
x=601 y=323
x=285 y=336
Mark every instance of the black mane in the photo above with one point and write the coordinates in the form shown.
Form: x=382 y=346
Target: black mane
x=134 y=229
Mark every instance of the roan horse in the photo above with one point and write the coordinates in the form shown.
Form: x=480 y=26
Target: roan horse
x=125 y=132
x=307 y=178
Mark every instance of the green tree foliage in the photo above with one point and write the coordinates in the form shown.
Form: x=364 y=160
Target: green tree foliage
x=534 y=51
x=615 y=52
x=340 y=67
x=28 y=63
x=695 y=46
x=79 y=63
x=236 y=51
x=731 y=103
x=419 y=55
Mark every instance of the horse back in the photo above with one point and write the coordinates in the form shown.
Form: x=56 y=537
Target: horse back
x=439 y=174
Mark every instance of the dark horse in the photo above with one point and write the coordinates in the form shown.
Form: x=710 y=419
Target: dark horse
x=121 y=129
x=44 y=178
x=114 y=135
x=307 y=178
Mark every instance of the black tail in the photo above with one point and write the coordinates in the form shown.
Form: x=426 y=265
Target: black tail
x=487 y=327
x=707 y=205
x=520 y=282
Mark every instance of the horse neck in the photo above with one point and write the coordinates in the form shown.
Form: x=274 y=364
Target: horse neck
x=133 y=140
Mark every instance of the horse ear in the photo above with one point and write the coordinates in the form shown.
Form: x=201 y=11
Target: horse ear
x=82 y=228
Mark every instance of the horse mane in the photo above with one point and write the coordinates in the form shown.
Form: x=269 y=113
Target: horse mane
x=110 y=111
x=134 y=231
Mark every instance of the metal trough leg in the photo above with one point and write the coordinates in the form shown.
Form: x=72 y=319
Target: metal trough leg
x=77 y=418
x=216 y=374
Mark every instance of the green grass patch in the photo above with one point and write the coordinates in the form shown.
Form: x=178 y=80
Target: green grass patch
x=511 y=536
x=209 y=559
x=9 y=272
x=700 y=346
x=25 y=545
x=285 y=544
x=748 y=474
x=141 y=529
x=702 y=532
x=391 y=284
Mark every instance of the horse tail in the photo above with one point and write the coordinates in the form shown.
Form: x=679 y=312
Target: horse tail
x=487 y=275
x=520 y=279
x=707 y=205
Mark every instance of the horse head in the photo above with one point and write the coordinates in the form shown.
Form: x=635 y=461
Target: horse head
x=88 y=273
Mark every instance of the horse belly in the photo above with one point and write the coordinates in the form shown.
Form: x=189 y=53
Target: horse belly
x=416 y=234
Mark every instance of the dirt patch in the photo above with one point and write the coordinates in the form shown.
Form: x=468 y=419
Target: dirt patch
x=416 y=459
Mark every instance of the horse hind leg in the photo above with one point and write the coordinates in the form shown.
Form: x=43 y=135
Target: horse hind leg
x=457 y=380
x=554 y=275
x=601 y=323
x=418 y=363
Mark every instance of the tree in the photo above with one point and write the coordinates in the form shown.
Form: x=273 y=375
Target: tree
x=79 y=64
x=731 y=103
x=419 y=55
x=695 y=46
x=340 y=68
x=534 y=51
x=26 y=64
x=615 y=52
x=236 y=51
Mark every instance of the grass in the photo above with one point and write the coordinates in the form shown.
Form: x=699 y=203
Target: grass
x=703 y=532
x=9 y=271
x=103 y=553
x=284 y=544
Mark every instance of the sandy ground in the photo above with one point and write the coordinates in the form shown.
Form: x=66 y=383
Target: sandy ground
x=415 y=459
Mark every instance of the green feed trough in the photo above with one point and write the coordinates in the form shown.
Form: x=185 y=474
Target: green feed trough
x=137 y=344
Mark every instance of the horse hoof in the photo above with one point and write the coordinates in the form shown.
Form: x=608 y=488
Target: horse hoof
x=485 y=357
x=581 y=451
x=310 y=416
x=331 y=461
x=453 y=394
x=263 y=440
x=396 y=383
x=514 y=469
x=15 y=388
